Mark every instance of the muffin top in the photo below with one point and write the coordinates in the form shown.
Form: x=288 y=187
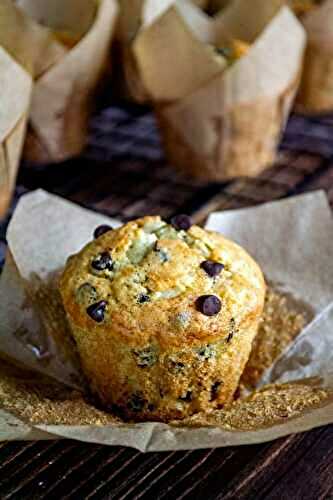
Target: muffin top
x=174 y=283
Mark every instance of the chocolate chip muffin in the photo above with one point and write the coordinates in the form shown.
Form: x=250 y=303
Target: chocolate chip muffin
x=163 y=315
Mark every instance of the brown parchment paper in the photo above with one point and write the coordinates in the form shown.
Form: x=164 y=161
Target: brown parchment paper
x=129 y=22
x=205 y=107
x=63 y=91
x=29 y=278
x=15 y=88
x=292 y=241
x=131 y=16
x=316 y=90
x=22 y=44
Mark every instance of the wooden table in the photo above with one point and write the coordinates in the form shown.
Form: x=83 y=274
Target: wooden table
x=123 y=173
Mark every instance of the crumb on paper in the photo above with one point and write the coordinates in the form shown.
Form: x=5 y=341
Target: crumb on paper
x=269 y=406
x=281 y=322
x=38 y=400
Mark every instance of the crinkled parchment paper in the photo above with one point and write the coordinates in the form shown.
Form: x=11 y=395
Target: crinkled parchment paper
x=131 y=16
x=24 y=45
x=205 y=106
x=292 y=241
x=63 y=93
x=51 y=61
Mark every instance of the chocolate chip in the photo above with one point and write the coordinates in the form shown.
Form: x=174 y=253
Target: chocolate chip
x=104 y=228
x=214 y=390
x=186 y=397
x=96 y=311
x=229 y=338
x=181 y=222
x=103 y=262
x=232 y=330
x=212 y=268
x=143 y=298
x=137 y=402
x=209 y=305
x=151 y=407
x=175 y=367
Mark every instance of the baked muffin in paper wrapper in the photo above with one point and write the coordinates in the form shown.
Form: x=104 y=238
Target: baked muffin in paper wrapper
x=221 y=116
x=316 y=90
x=24 y=48
x=43 y=394
x=65 y=86
x=50 y=65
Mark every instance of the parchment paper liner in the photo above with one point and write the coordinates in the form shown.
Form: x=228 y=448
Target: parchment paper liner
x=24 y=46
x=292 y=241
x=316 y=90
x=63 y=93
x=131 y=14
x=219 y=122
x=128 y=78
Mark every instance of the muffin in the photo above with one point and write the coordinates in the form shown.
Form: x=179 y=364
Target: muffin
x=163 y=315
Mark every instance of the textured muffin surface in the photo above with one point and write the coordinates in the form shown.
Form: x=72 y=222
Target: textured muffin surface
x=136 y=300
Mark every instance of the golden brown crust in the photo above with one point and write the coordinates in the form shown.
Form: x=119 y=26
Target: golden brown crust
x=152 y=325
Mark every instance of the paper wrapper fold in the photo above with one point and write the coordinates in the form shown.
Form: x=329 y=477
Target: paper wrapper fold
x=131 y=16
x=292 y=241
x=63 y=93
x=13 y=119
x=25 y=50
x=22 y=43
x=316 y=91
x=220 y=121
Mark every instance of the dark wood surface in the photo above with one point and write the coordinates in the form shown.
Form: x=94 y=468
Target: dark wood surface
x=123 y=173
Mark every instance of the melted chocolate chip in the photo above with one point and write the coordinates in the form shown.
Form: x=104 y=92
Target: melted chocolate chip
x=212 y=268
x=187 y=397
x=176 y=367
x=143 y=298
x=229 y=338
x=209 y=305
x=137 y=402
x=96 y=311
x=103 y=262
x=214 y=390
x=232 y=330
x=181 y=222
x=104 y=228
